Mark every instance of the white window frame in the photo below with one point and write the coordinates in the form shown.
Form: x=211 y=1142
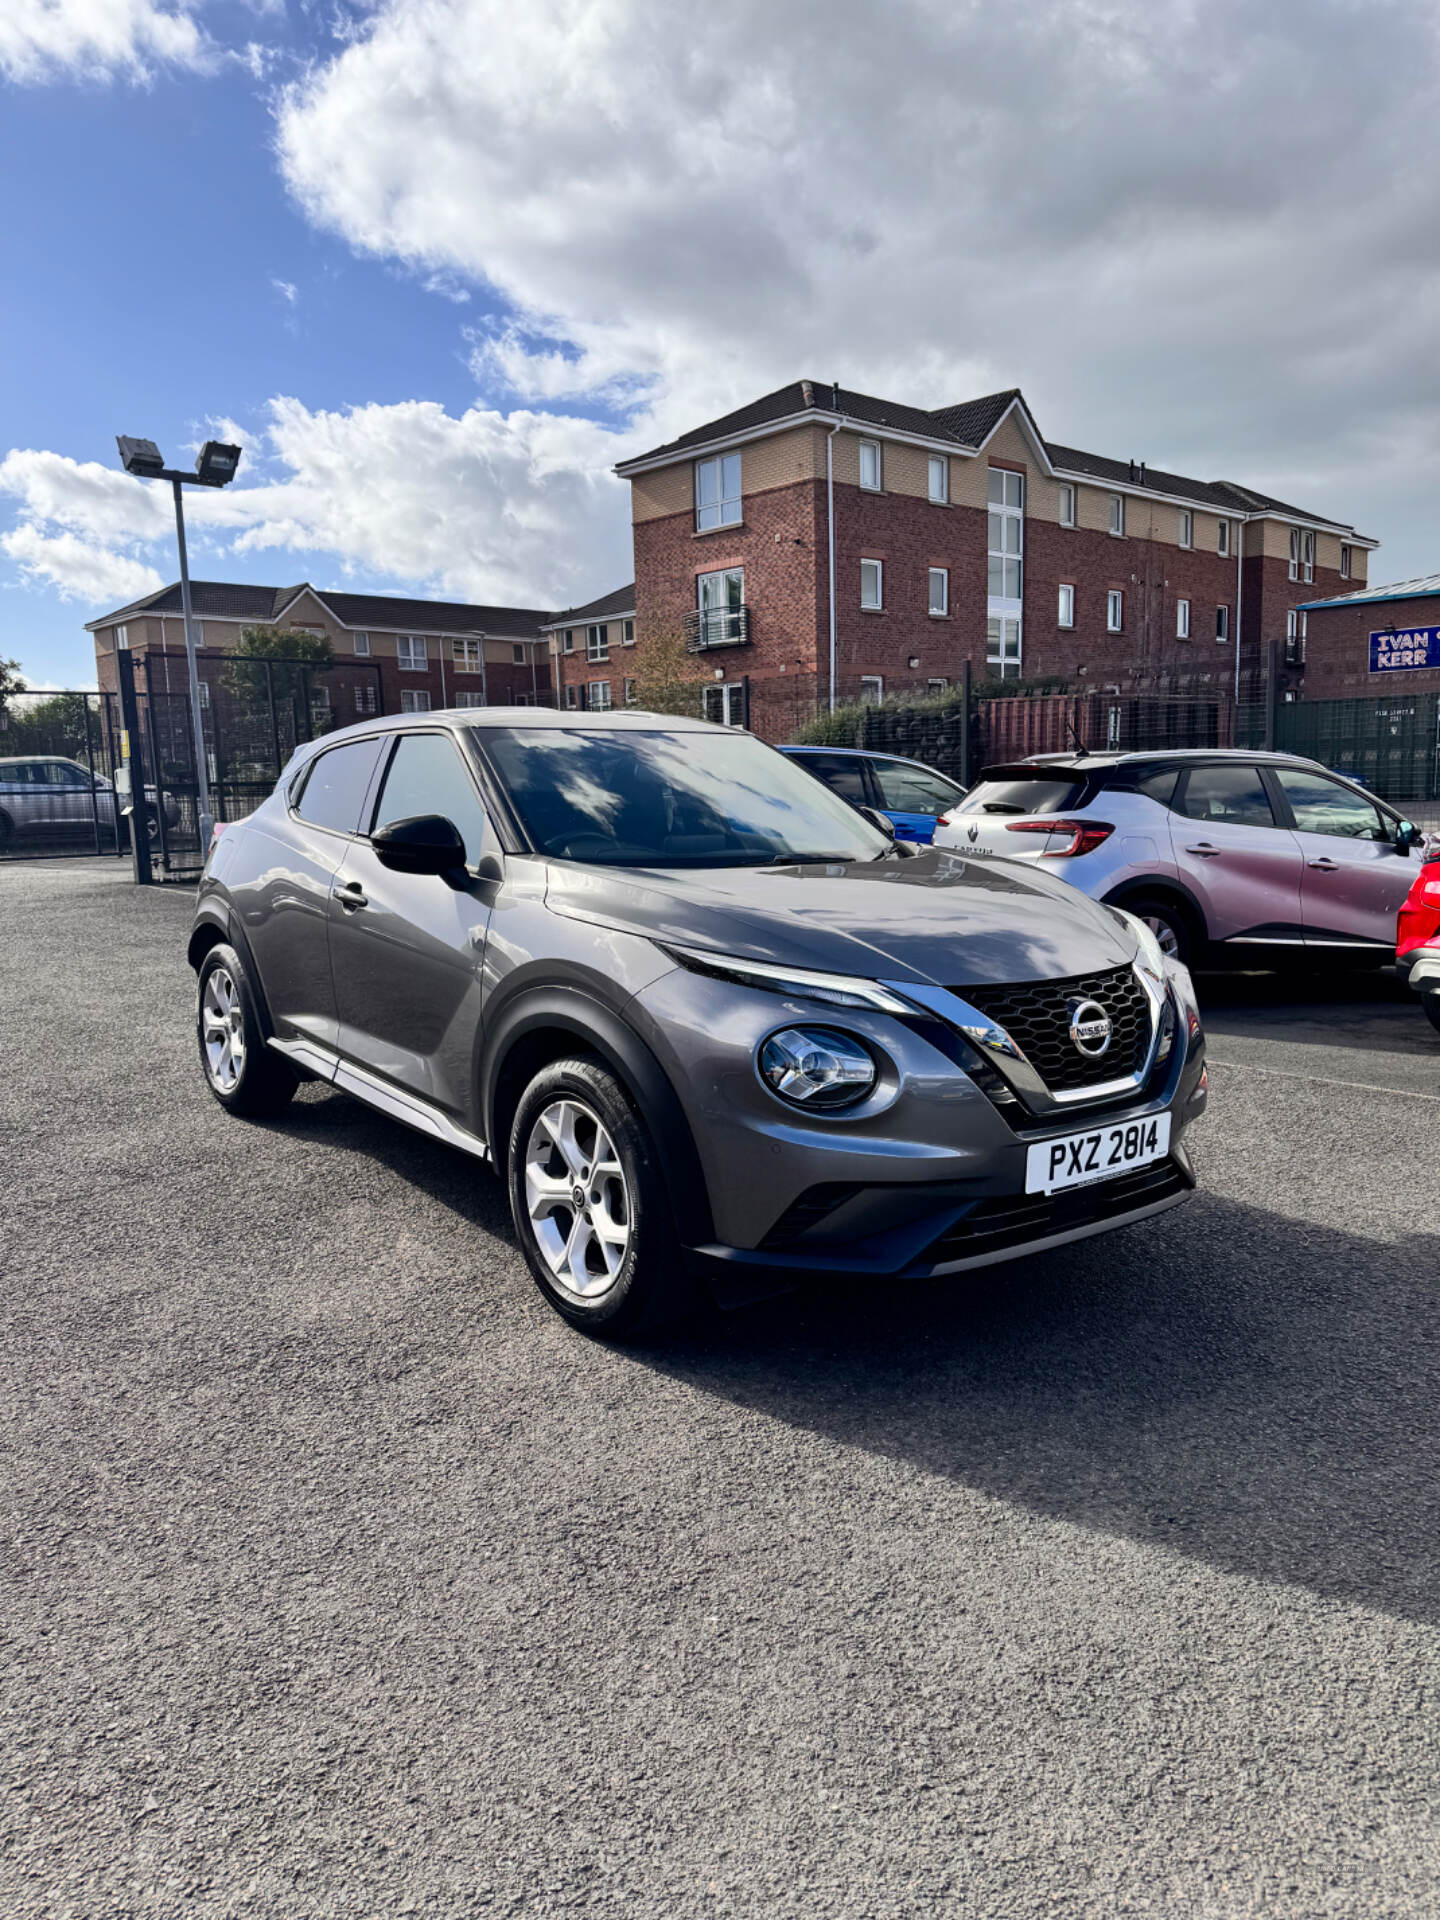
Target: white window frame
x=1006 y=665
x=367 y=698
x=877 y=604
x=872 y=689
x=1065 y=607
x=872 y=450
x=470 y=697
x=1067 y=505
x=730 y=694
x=415 y=700
x=939 y=480
x=597 y=644
x=1294 y=553
x=1117 y=516
x=1182 y=619
x=567 y=640
x=466 y=655
x=517 y=653
x=570 y=701
x=598 y=697
x=122 y=638
x=627 y=634
x=361 y=647
x=937 y=684
x=725 y=509
x=1222 y=536
x=411 y=653
x=1222 y=626
x=1187 y=527
x=942 y=574
x=1345 y=561
x=1307 y=555
x=1115 y=610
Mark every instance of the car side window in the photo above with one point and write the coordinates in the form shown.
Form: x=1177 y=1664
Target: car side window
x=335 y=790
x=1324 y=806
x=427 y=775
x=60 y=773
x=841 y=773
x=1227 y=797
x=914 y=789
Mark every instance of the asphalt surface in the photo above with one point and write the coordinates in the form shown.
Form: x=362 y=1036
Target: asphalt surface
x=337 y=1577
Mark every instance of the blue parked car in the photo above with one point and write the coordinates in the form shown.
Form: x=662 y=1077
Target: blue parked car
x=911 y=795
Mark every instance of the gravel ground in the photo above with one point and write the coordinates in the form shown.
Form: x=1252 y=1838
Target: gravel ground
x=337 y=1577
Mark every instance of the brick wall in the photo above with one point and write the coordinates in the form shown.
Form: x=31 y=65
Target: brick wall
x=1337 y=655
x=1270 y=595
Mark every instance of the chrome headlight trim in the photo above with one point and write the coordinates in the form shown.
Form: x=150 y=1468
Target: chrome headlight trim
x=801 y=983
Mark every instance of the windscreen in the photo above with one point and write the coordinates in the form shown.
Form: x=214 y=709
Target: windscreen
x=1044 y=791
x=671 y=799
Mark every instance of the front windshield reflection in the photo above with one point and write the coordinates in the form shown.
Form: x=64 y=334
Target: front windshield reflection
x=637 y=798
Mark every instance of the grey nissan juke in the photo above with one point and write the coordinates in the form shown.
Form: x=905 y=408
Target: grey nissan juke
x=700 y=1013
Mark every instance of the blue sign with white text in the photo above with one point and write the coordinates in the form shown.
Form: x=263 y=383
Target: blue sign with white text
x=1400 y=647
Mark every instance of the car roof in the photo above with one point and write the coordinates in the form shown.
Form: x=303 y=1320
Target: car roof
x=1179 y=756
x=868 y=753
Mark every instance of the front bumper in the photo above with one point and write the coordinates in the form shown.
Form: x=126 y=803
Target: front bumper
x=928 y=1177
x=1419 y=969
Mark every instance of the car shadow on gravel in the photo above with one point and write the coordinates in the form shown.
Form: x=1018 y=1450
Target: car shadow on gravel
x=1249 y=1390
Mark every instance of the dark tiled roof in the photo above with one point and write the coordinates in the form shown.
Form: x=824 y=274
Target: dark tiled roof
x=1098 y=467
x=432 y=616
x=973 y=421
x=220 y=599
x=622 y=600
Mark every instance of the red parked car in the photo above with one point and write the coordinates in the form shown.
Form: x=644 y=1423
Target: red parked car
x=1417 y=934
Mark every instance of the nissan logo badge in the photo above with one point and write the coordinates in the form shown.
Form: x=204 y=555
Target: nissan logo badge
x=1090 y=1027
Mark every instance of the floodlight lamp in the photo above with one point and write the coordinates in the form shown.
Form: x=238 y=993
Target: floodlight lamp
x=217 y=463
x=140 y=457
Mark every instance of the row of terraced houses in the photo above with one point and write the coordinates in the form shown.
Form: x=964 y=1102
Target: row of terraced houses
x=820 y=540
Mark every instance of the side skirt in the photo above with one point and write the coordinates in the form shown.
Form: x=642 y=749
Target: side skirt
x=378 y=1093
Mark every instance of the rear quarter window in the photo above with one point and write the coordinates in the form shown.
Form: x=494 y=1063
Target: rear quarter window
x=336 y=785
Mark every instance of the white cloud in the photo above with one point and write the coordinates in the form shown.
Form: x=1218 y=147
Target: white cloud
x=1198 y=234
x=43 y=40
x=104 y=503
x=78 y=569
x=287 y=290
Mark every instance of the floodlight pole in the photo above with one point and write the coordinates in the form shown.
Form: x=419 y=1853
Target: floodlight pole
x=202 y=772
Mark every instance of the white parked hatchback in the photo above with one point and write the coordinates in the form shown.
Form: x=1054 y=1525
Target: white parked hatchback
x=1214 y=849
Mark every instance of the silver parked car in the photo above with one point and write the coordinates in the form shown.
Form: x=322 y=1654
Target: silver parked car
x=44 y=796
x=698 y=1013
x=1255 y=855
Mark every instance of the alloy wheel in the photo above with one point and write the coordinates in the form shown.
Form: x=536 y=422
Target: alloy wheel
x=222 y=1031
x=1165 y=933
x=577 y=1198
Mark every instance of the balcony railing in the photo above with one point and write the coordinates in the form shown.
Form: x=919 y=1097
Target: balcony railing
x=709 y=627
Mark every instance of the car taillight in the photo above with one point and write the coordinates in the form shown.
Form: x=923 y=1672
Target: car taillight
x=1088 y=834
x=1419 y=921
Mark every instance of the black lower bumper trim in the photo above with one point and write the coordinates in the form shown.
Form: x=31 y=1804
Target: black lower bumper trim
x=1014 y=1220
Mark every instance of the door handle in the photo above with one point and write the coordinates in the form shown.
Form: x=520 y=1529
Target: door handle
x=1205 y=850
x=1324 y=864
x=351 y=896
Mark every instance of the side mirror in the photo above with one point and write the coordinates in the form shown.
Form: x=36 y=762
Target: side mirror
x=425 y=843
x=1407 y=835
x=880 y=820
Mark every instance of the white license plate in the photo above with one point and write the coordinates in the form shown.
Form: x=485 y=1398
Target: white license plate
x=1078 y=1159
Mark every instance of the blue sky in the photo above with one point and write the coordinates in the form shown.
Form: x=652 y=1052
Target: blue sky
x=520 y=243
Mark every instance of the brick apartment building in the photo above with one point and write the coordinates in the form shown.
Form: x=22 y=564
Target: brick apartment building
x=418 y=655
x=1382 y=641
x=953 y=535
x=592 y=658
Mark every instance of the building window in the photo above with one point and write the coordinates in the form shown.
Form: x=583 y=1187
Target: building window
x=939 y=590
x=939 y=479
x=1295 y=638
x=872 y=689
x=1007 y=533
x=1067 y=606
x=1182 y=619
x=724 y=706
x=122 y=637
x=567 y=640
x=1117 y=513
x=721 y=606
x=1067 y=506
x=1344 y=567
x=871 y=471
x=937 y=686
x=627 y=634
x=362 y=645
x=597 y=695
x=1187 y=529
x=1222 y=623
x=1114 y=610
x=517 y=654
x=1002 y=647
x=1294 y=553
x=367 y=699
x=411 y=653
x=630 y=695
x=872 y=585
x=318 y=696
x=717 y=492
x=466 y=655
x=474 y=698
x=597 y=644
x=1222 y=537
x=414 y=700
x=570 y=696
x=1307 y=549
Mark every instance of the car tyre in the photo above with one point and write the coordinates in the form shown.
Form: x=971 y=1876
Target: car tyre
x=1431 y=1004
x=7 y=831
x=1170 y=925
x=242 y=1073
x=589 y=1202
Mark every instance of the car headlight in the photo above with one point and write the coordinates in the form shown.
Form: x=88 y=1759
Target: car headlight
x=1150 y=956
x=816 y=1067
x=835 y=989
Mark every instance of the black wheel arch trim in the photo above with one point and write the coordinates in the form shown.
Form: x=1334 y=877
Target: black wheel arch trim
x=602 y=1032
x=219 y=914
x=1161 y=883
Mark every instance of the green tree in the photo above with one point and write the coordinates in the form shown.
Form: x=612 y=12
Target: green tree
x=282 y=662
x=11 y=680
x=668 y=679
